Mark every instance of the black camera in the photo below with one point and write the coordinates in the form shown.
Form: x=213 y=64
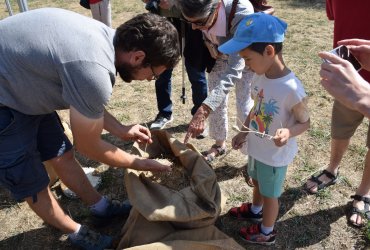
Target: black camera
x=153 y=6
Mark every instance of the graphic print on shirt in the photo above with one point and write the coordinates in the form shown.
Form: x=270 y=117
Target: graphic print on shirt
x=262 y=114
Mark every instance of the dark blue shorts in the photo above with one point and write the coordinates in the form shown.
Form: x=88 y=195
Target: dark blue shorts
x=25 y=142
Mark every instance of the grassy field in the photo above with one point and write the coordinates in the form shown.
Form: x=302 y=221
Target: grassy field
x=305 y=221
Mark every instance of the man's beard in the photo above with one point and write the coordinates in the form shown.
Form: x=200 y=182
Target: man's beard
x=126 y=71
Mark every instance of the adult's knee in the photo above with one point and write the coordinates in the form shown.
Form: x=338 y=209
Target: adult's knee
x=62 y=159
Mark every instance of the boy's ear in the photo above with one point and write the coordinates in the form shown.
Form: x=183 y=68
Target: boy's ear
x=270 y=50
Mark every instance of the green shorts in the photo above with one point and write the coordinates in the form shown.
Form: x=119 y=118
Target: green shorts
x=270 y=179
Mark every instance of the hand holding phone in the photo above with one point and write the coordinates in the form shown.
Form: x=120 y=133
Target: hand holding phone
x=344 y=53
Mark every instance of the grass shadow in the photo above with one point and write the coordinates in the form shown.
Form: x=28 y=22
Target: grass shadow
x=31 y=240
x=181 y=128
x=307 y=230
x=228 y=172
x=296 y=232
x=288 y=199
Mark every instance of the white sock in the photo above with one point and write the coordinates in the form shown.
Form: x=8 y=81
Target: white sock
x=266 y=230
x=100 y=206
x=256 y=209
x=74 y=234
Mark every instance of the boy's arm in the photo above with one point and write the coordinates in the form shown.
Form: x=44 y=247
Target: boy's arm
x=302 y=117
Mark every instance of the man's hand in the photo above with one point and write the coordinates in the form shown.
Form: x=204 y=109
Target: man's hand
x=281 y=137
x=360 y=49
x=238 y=140
x=343 y=82
x=137 y=133
x=150 y=165
x=197 y=124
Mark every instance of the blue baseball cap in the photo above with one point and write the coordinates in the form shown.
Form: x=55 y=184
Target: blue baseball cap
x=255 y=28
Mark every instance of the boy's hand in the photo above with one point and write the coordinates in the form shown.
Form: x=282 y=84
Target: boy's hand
x=238 y=140
x=281 y=137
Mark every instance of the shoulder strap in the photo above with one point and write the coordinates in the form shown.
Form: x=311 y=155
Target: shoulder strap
x=232 y=13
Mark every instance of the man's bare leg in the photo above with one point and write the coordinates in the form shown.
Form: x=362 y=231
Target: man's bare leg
x=72 y=175
x=48 y=209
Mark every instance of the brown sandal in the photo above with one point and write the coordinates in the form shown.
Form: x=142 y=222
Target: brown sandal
x=208 y=155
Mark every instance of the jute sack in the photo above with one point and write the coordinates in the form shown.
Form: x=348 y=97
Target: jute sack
x=162 y=218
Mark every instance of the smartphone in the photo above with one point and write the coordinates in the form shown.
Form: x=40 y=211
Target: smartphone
x=344 y=53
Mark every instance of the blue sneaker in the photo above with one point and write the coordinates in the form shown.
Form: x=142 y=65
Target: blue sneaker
x=115 y=208
x=90 y=240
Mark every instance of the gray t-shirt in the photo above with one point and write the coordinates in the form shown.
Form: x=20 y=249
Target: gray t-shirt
x=53 y=58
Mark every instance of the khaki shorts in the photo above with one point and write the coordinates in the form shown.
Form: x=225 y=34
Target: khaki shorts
x=345 y=121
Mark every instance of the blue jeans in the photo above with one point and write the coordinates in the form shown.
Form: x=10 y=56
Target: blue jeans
x=163 y=90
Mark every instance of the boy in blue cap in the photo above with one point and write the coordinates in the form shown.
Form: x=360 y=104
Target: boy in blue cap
x=279 y=114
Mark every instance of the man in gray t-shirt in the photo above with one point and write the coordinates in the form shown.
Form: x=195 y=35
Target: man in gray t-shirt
x=53 y=59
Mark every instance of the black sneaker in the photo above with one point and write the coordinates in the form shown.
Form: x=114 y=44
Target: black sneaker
x=90 y=240
x=160 y=122
x=115 y=208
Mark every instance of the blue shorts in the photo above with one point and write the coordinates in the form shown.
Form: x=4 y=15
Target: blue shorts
x=270 y=179
x=25 y=142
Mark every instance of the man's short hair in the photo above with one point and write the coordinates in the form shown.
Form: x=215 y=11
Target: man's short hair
x=154 y=35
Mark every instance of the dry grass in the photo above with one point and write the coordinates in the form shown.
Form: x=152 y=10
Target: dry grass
x=305 y=222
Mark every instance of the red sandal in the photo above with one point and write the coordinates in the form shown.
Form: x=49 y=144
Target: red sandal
x=244 y=213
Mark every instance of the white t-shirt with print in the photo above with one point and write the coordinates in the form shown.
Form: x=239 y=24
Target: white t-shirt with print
x=273 y=103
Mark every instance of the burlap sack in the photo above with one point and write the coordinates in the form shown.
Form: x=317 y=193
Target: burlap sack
x=162 y=218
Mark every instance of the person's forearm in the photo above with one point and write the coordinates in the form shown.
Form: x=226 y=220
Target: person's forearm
x=104 y=152
x=112 y=125
x=363 y=105
x=298 y=128
x=227 y=79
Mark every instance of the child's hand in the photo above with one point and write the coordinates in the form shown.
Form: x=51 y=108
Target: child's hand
x=281 y=137
x=238 y=140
